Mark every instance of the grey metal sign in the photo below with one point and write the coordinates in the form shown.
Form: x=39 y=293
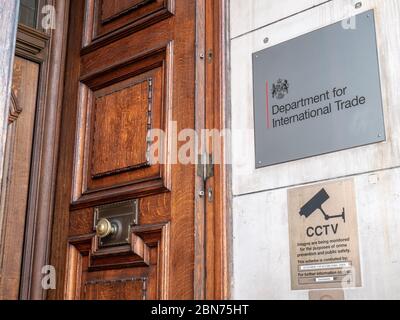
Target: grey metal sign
x=318 y=93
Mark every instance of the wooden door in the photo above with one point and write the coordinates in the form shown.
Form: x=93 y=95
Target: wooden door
x=130 y=69
x=17 y=165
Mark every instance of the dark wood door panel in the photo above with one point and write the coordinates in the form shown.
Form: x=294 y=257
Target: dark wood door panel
x=139 y=275
x=122 y=116
x=116 y=123
x=115 y=19
x=135 y=47
x=121 y=289
x=115 y=93
x=111 y=9
x=124 y=109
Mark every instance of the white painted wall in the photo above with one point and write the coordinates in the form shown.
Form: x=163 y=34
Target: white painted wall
x=261 y=242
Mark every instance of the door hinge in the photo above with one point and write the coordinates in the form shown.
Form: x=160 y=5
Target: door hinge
x=205 y=166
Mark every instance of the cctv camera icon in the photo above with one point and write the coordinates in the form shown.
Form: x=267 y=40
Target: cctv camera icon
x=316 y=204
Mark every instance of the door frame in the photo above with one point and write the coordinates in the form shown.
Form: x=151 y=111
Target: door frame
x=213 y=226
x=213 y=231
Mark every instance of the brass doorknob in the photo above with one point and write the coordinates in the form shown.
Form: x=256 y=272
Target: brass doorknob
x=104 y=228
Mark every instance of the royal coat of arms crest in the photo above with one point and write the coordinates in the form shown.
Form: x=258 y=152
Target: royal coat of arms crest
x=280 y=89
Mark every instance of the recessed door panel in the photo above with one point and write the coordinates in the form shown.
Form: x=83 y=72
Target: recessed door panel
x=108 y=18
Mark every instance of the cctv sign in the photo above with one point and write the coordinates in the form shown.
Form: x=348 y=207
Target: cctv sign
x=323 y=234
